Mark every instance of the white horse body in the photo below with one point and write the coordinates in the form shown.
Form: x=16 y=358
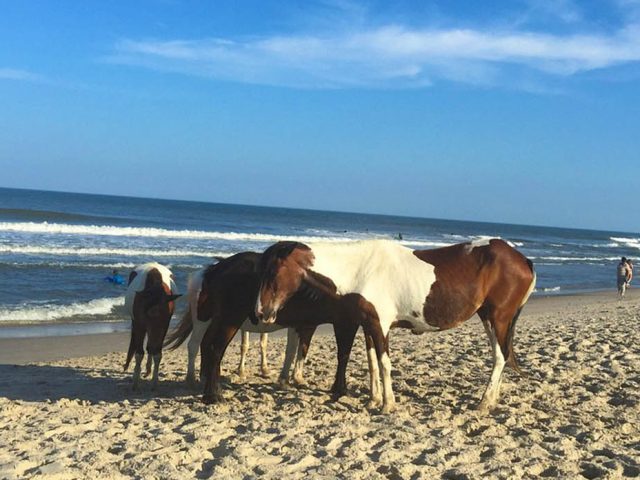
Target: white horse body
x=386 y=273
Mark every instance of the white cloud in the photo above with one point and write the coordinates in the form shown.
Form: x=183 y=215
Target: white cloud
x=17 y=74
x=392 y=56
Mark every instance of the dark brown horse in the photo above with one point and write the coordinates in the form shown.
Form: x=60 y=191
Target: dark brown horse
x=417 y=289
x=150 y=302
x=228 y=298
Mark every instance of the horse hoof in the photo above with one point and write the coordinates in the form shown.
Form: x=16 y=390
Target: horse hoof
x=212 y=399
x=374 y=403
x=284 y=383
x=388 y=408
x=337 y=393
x=300 y=382
x=265 y=374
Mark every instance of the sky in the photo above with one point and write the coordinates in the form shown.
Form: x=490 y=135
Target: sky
x=521 y=111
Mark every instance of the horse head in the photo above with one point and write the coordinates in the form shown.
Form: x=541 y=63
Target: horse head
x=284 y=269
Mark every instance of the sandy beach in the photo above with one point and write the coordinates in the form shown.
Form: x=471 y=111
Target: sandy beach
x=67 y=409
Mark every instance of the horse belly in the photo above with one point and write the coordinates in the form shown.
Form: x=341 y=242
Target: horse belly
x=443 y=310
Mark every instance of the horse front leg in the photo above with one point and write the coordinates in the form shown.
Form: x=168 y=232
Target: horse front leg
x=212 y=392
x=345 y=334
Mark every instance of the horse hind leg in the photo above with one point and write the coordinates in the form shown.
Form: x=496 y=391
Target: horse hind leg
x=197 y=334
x=290 y=352
x=264 y=363
x=499 y=329
x=244 y=348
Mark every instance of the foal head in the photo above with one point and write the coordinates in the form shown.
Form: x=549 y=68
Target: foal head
x=282 y=269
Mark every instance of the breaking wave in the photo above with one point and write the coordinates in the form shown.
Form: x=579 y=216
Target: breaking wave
x=49 y=313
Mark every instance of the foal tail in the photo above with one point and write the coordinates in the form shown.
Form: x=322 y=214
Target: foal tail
x=130 y=352
x=181 y=332
x=511 y=358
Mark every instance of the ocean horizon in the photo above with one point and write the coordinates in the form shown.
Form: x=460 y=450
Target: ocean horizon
x=56 y=248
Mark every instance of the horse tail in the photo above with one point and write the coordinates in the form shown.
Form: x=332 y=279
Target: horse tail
x=130 y=353
x=181 y=332
x=511 y=358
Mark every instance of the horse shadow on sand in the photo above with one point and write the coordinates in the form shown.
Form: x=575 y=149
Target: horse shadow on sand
x=50 y=383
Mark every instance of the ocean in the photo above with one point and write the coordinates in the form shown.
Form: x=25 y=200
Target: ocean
x=57 y=248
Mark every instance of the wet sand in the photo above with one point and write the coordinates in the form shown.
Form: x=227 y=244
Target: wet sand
x=67 y=409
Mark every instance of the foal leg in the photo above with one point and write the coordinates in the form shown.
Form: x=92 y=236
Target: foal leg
x=345 y=333
x=304 y=342
x=244 y=348
x=264 y=366
x=292 y=345
x=197 y=334
x=490 y=396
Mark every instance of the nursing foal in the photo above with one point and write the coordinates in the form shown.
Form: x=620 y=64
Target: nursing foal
x=198 y=318
x=417 y=289
x=150 y=303
x=228 y=299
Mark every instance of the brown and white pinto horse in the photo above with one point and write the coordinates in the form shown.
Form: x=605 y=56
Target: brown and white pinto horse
x=228 y=298
x=150 y=303
x=417 y=289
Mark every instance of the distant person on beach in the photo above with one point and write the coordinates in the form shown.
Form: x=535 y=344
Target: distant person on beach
x=399 y=236
x=624 y=275
x=115 y=278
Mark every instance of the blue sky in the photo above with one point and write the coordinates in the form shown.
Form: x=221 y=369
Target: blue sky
x=522 y=112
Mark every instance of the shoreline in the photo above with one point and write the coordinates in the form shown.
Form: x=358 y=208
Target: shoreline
x=71 y=341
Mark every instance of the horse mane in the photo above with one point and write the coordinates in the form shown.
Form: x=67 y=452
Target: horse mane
x=278 y=251
x=243 y=262
x=316 y=285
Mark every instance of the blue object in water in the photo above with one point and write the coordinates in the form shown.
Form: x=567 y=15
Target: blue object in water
x=117 y=279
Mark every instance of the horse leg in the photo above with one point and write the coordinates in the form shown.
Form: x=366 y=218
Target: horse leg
x=374 y=373
x=244 y=348
x=154 y=350
x=304 y=335
x=223 y=337
x=389 y=401
x=290 y=352
x=497 y=333
x=264 y=366
x=137 y=334
x=197 y=334
x=147 y=370
x=345 y=334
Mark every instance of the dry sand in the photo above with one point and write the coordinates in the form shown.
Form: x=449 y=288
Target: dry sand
x=576 y=415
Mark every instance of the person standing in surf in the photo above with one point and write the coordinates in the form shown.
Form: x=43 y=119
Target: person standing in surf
x=624 y=273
